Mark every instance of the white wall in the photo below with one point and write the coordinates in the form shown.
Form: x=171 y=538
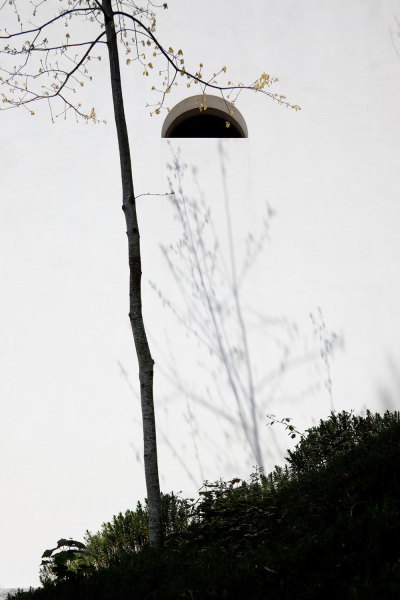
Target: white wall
x=70 y=423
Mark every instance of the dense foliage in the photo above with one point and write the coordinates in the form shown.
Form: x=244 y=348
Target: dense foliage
x=326 y=526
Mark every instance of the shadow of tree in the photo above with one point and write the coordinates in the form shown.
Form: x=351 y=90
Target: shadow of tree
x=389 y=392
x=239 y=378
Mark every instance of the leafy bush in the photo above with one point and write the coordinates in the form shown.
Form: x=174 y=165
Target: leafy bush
x=129 y=532
x=334 y=436
x=64 y=562
x=324 y=526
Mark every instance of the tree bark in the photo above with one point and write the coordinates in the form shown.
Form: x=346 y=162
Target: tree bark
x=144 y=357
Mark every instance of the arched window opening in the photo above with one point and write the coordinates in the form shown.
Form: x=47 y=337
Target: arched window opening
x=186 y=120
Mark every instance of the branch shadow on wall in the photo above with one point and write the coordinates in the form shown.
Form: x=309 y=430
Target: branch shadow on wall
x=240 y=379
x=389 y=392
x=233 y=360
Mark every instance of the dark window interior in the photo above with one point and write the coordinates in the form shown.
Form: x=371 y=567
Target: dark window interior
x=204 y=126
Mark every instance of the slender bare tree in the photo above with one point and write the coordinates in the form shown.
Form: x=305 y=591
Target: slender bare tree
x=41 y=60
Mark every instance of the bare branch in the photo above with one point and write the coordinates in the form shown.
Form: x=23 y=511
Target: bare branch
x=257 y=85
x=143 y=22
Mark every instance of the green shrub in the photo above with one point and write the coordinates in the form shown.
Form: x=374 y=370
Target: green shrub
x=66 y=561
x=336 y=435
x=129 y=532
x=324 y=526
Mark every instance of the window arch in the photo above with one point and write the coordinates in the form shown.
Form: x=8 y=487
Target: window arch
x=188 y=120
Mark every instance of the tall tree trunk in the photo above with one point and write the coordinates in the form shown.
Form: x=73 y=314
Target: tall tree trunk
x=145 y=359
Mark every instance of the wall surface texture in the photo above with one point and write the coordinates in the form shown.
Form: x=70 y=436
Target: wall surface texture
x=271 y=282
